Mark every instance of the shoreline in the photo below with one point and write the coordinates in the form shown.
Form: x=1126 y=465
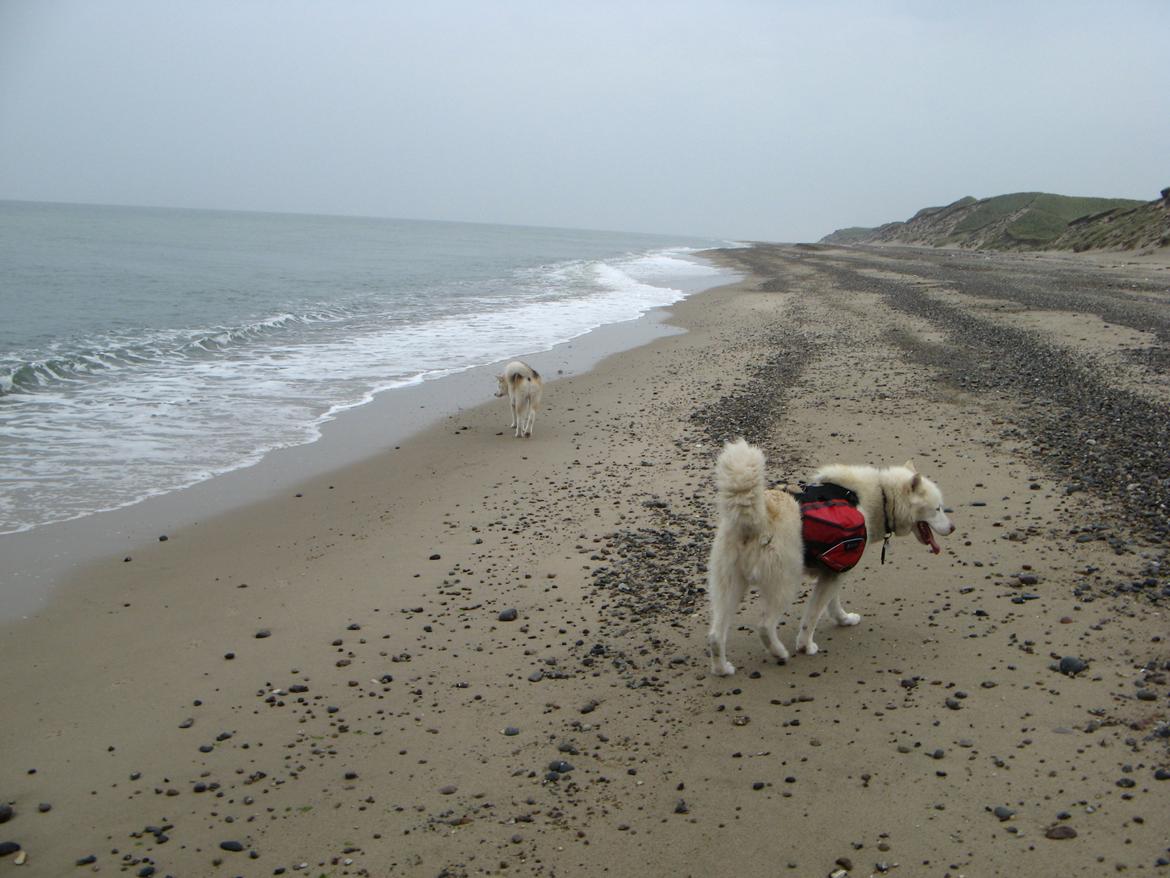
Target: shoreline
x=475 y=655
x=37 y=562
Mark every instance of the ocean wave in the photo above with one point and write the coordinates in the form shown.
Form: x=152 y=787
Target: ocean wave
x=39 y=371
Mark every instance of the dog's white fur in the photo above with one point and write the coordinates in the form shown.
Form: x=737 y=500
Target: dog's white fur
x=758 y=542
x=523 y=387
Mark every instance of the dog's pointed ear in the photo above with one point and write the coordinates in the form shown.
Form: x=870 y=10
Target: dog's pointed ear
x=915 y=482
x=910 y=466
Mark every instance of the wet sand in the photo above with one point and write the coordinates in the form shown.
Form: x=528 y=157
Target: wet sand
x=333 y=682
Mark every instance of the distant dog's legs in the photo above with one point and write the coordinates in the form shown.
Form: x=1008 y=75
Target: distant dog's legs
x=529 y=416
x=517 y=414
x=725 y=600
x=824 y=591
x=775 y=602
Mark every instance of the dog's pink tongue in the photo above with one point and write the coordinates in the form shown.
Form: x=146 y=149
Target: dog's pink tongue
x=928 y=537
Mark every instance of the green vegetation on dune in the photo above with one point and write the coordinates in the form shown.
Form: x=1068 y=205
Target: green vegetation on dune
x=853 y=233
x=994 y=210
x=1026 y=220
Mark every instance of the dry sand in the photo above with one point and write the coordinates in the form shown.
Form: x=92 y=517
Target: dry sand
x=393 y=722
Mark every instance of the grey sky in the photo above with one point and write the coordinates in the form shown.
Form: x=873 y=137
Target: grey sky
x=765 y=120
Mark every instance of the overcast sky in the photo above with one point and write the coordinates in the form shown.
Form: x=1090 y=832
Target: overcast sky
x=763 y=120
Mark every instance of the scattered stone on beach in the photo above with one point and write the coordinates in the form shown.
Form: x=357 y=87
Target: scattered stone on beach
x=1003 y=812
x=233 y=846
x=1072 y=665
x=6 y=813
x=262 y=633
x=508 y=615
x=1060 y=832
x=448 y=790
x=8 y=847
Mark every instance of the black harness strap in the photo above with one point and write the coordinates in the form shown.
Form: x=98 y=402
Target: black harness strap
x=886 y=532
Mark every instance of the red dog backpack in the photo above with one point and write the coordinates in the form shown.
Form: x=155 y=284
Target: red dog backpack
x=833 y=527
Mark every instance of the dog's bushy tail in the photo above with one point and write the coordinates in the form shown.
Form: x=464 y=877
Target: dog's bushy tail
x=739 y=485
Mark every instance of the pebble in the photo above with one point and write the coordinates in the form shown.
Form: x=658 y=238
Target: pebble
x=6 y=813
x=511 y=730
x=1162 y=774
x=233 y=846
x=560 y=766
x=1072 y=665
x=508 y=615
x=1003 y=812
x=86 y=861
x=681 y=807
x=1060 y=832
x=262 y=633
x=448 y=790
x=8 y=847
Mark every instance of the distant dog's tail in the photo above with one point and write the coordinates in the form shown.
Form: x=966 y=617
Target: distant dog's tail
x=739 y=484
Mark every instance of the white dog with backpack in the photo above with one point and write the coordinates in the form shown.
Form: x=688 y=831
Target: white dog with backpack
x=768 y=539
x=523 y=387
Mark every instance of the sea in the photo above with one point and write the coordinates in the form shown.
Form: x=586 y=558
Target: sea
x=143 y=350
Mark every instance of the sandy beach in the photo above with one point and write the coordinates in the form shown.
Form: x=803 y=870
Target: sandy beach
x=470 y=655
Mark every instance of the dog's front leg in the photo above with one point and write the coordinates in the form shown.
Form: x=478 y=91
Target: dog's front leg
x=824 y=589
x=839 y=615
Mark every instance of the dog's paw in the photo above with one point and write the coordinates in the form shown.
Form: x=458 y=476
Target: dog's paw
x=850 y=619
x=808 y=647
x=722 y=669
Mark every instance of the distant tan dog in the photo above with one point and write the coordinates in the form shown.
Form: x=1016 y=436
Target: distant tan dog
x=760 y=542
x=523 y=387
